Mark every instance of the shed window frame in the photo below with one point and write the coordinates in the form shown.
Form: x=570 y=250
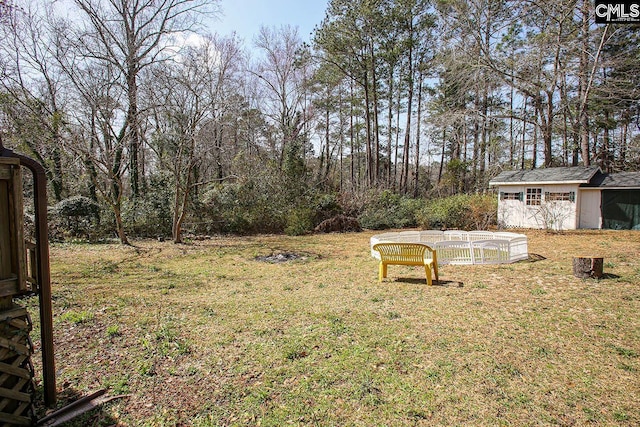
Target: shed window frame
x=533 y=196
x=516 y=195
x=560 y=196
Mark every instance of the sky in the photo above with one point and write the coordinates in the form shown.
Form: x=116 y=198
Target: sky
x=246 y=16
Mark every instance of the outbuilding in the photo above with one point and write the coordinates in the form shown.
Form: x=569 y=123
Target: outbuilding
x=567 y=198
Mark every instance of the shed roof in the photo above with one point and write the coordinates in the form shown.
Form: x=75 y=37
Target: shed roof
x=616 y=180
x=565 y=175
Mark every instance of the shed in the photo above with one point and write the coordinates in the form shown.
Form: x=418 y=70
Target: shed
x=566 y=198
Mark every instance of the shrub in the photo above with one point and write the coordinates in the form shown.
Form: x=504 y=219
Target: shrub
x=76 y=216
x=461 y=211
x=151 y=214
x=309 y=211
x=299 y=221
x=325 y=206
x=243 y=207
x=483 y=212
x=264 y=203
x=390 y=210
x=448 y=212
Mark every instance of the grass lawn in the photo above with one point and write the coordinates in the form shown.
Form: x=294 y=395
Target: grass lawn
x=206 y=334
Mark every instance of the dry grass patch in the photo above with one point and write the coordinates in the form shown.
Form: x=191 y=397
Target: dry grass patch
x=207 y=334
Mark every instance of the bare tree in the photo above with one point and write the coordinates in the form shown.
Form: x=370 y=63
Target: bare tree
x=97 y=125
x=191 y=104
x=132 y=35
x=35 y=102
x=283 y=80
x=6 y=9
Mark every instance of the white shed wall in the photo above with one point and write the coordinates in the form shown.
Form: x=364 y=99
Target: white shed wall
x=511 y=213
x=558 y=214
x=590 y=201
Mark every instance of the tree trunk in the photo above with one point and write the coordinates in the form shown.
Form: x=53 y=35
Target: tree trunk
x=583 y=118
x=417 y=146
x=524 y=134
x=351 y=135
x=376 y=121
x=367 y=118
x=327 y=153
x=588 y=267
x=396 y=145
x=512 y=139
x=117 y=211
x=623 y=143
x=484 y=117
x=389 y=132
x=134 y=133
x=181 y=201
x=475 y=157
x=606 y=145
x=444 y=146
x=404 y=176
x=547 y=132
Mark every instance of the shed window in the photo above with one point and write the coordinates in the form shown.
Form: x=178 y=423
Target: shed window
x=510 y=196
x=534 y=196
x=569 y=196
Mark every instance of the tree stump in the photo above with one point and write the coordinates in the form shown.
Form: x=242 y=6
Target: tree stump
x=588 y=267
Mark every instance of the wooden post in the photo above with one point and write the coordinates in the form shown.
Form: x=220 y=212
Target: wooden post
x=40 y=275
x=12 y=251
x=588 y=267
x=16 y=372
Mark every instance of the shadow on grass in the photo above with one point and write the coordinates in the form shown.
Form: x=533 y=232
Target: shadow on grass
x=535 y=258
x=605 y=276
x=443 y=283
x=70 y=411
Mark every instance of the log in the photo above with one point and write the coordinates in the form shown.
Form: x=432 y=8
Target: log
x=588 y=267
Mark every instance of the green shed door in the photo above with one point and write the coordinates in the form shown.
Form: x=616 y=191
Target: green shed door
x=621 y=209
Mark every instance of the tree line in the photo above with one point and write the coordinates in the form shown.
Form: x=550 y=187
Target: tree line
x=162 y=123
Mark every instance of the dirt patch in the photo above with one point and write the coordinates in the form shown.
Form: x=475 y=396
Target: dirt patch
x=281 y=257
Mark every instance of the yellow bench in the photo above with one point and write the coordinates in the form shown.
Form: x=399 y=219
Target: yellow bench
x=407 y=254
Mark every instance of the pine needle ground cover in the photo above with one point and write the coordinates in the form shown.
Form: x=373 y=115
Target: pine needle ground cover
x=277 y=330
